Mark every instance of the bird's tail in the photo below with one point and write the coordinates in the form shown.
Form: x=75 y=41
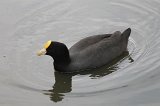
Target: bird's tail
x=126 y=33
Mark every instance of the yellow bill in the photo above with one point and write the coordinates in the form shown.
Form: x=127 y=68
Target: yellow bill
x=44 y=51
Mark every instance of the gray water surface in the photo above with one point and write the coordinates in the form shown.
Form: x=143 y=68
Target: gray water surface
x=26 y=79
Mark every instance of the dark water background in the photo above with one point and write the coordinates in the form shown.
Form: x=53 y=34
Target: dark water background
x=26 y=79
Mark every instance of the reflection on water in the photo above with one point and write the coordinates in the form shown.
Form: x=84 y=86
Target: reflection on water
x=63 y=81
x=26 y=24
x=63 y=84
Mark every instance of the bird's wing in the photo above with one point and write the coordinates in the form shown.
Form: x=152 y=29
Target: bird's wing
x=86 y=42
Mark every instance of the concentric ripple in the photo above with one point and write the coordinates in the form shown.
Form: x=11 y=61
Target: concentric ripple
x=72 y=20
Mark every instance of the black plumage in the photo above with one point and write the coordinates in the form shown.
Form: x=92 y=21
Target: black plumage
x=89 y=53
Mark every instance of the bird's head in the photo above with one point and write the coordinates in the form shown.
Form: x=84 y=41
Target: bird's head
x=58 y=51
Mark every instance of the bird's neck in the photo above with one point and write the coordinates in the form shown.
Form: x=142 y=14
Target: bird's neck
x=61 y=63
x=62 y=60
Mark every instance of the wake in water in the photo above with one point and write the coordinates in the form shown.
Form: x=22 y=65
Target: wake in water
x=122 y=83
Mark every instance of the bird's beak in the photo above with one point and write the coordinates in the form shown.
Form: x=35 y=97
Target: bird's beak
x=41 y=52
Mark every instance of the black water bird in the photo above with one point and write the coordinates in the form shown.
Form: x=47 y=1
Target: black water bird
x=89 y=53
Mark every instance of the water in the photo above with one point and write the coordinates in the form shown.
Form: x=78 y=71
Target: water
x=26 y=79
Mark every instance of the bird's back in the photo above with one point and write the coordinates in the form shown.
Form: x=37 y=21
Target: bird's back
x=96 y=51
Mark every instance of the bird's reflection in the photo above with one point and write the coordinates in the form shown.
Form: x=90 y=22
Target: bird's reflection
x=63 y=84
x=63 y=81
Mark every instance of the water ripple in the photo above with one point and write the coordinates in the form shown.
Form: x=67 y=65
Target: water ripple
x=62 y=23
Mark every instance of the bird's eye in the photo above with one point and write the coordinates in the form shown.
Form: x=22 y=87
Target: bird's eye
x=47 y=44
